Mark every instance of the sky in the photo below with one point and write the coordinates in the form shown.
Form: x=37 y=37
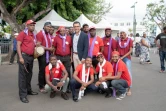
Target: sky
x=122 y=9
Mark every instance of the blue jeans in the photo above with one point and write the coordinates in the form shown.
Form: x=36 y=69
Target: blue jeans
x=76 y=85
x=127 y=61
x=162 y=55
x=120 y=85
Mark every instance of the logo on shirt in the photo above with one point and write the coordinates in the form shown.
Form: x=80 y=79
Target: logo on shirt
x=163 y=37
x=108 y=43
x=56 y=71
x=67 y=42
x=96 y=42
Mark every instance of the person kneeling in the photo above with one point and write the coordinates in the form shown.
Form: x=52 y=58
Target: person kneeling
x=55 y=79
x=105 y=70
x=121 y=79
x=81 y=79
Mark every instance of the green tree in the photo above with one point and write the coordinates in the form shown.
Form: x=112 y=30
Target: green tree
x=156 y=13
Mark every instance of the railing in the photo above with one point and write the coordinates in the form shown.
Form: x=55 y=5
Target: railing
x=5 y=45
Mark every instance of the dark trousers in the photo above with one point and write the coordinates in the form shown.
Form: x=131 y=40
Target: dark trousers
x=41 y=76
x=13 y=55
x=76 y=85
x=162 y=55
x=120 y=85
x=25 y=75
x=94 y=63
x=107 y=90
x=66 y=60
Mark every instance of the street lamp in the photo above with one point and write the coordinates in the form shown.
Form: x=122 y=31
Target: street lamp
x=134 y=21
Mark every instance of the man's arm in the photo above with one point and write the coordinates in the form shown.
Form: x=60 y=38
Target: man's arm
x=19 y=52
x=91 y=80
x=65 y=74
x=76 y=77
x=158 y=37
x=86 y=46
x=117 y=76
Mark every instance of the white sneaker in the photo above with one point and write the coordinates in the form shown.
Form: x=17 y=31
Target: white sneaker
x=122 y=95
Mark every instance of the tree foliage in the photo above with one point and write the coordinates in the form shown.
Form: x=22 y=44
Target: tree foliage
x=156 y=13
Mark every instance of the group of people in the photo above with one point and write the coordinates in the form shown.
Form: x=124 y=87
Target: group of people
x=100 y=64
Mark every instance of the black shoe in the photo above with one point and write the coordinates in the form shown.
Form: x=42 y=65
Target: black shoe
x=52 y=94
x=108 y=95
x=75 y=99
x=32 y=93
x=24 y=100
x=64 y=96
x=68 y=91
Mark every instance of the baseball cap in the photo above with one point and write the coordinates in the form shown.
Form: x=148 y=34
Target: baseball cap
x=30 y=22
x=92 y=28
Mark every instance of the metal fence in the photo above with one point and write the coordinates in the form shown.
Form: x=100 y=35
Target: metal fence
x=5 y=45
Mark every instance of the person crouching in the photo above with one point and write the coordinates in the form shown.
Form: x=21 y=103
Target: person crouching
x=56 y=78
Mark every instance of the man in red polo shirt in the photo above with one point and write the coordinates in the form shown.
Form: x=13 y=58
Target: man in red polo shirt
x=44 y=39
x=25 y=48
x=56 y=78
x=83 y=78
x=95 y=45
x=121 y=77
x=109 y=44
x=124 y=47
x=104 y=70
x=63 y=44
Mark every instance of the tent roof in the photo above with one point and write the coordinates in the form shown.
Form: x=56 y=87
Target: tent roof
x=84 y=20
x=55 y=19
x=53 y=16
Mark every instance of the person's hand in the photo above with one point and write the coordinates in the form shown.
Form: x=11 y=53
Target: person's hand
x=84 y=84
x=97 y=83
x=60 y=84
x=82 y=88
x=102 y=79
x=21 y=60
x=51 y=49
x=83 y=61
x=158 y=46
x=55 y=88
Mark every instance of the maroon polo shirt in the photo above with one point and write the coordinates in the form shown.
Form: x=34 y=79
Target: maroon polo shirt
x=123 y=51
x=106 y=46
x=27 y=42
x=58 y=44
x=40 y=38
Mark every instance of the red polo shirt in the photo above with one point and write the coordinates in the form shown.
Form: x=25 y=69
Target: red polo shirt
x=58 y=44
x=79 y=70
x=27 y=42
x=56 y=71
x=107 y=68
x=106 y=46
x=40 y=38
x=123 y=51
x=125 y=73
x=97 y=45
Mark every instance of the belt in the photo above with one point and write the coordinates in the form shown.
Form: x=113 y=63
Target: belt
x=26 y=54
x=75 y=52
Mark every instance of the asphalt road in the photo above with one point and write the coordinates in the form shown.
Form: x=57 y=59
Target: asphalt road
x=148 y=92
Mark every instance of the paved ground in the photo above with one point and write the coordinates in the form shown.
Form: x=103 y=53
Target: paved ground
x=148 y=93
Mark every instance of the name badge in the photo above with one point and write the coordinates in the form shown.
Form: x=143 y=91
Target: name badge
x=125 y=43
x=108 y=43
x=96 y=42
x=67 y=42
x=56 y=71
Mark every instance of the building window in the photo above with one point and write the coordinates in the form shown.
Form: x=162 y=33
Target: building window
x=121 y=24
x=128 y=24
x=116 y=24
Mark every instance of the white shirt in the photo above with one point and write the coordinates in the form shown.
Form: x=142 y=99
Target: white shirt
x=75 y=41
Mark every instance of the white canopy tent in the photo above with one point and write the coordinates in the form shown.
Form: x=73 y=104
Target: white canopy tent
x=55 y=19
x=105 y=24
